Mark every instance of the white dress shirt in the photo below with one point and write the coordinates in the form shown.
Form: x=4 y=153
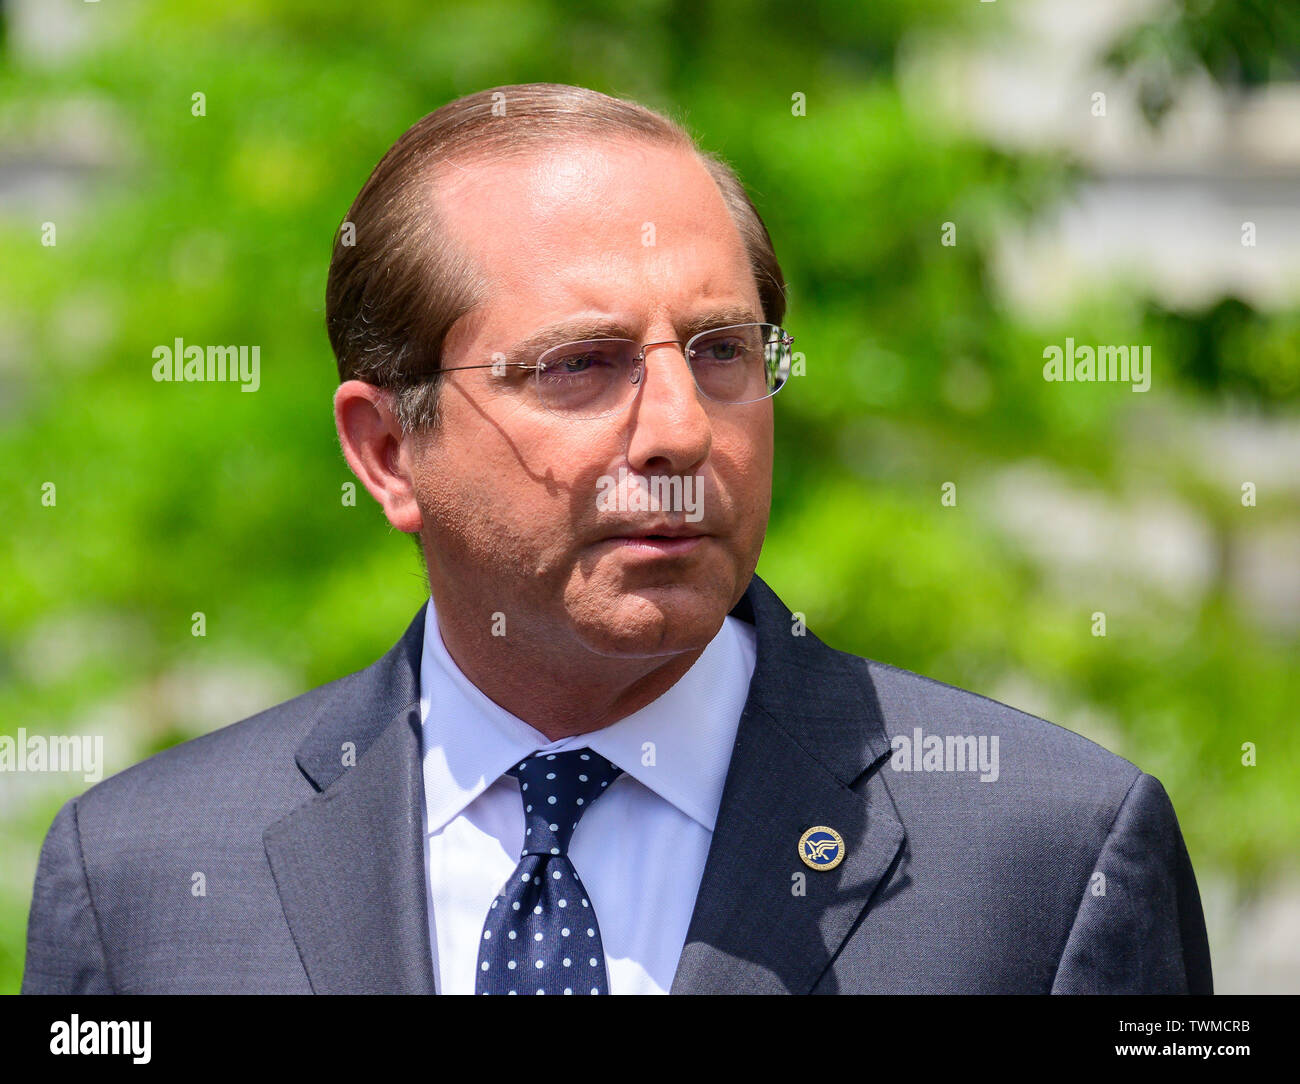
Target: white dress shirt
x=640 y=849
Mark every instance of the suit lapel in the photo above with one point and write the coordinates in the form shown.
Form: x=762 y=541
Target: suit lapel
x=810 y=728
x=349 y=864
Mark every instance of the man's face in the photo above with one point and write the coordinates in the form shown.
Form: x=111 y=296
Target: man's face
x=635 y=238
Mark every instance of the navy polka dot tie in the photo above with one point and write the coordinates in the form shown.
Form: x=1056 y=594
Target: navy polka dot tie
x=541 y=936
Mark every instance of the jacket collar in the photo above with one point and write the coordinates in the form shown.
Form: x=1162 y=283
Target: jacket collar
x=811 y=728
x=349 y=864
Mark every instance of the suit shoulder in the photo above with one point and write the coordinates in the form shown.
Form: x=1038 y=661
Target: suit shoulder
x=256 y=752
x=909 y=701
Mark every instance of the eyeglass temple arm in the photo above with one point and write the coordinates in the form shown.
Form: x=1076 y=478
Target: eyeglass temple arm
x=458 y=368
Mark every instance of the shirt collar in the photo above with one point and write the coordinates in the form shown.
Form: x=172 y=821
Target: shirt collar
x=679 y=746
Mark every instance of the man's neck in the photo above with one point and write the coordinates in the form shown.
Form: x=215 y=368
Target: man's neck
x=577 y=693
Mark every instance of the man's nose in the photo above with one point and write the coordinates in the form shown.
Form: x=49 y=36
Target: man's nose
x=670 y=429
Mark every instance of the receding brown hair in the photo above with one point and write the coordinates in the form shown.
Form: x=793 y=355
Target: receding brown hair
x=398 y=282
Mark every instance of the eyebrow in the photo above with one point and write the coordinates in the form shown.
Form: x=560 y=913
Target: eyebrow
x=528 y=350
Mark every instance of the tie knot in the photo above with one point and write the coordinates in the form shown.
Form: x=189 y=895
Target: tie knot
x=557 y=788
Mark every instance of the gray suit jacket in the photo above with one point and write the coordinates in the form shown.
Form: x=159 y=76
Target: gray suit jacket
x=314 y=881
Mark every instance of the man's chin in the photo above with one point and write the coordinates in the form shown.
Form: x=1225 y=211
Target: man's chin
x=649 y=621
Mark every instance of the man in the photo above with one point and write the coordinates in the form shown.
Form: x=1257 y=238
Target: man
x=605 y=757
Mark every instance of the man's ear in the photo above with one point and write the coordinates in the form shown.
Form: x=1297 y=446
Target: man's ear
x=372 y=442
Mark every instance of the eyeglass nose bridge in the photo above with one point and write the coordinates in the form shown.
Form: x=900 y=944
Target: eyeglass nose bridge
x=638 y=362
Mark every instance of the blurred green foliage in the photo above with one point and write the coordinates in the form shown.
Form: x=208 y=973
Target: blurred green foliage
x=218 y=229
x=1238 y=43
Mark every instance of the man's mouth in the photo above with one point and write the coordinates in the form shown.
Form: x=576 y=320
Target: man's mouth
x=658 y=539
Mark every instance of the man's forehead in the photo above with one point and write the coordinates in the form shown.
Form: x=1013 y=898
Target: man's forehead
x=539 y=188
x=599 y=226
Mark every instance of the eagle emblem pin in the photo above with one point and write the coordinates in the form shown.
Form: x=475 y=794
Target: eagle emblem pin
x=821 y=848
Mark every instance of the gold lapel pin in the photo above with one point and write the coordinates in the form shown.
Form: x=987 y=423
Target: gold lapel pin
x=821 y=848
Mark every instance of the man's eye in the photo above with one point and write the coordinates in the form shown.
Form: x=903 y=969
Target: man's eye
x=574 y=364
x=722 y=350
